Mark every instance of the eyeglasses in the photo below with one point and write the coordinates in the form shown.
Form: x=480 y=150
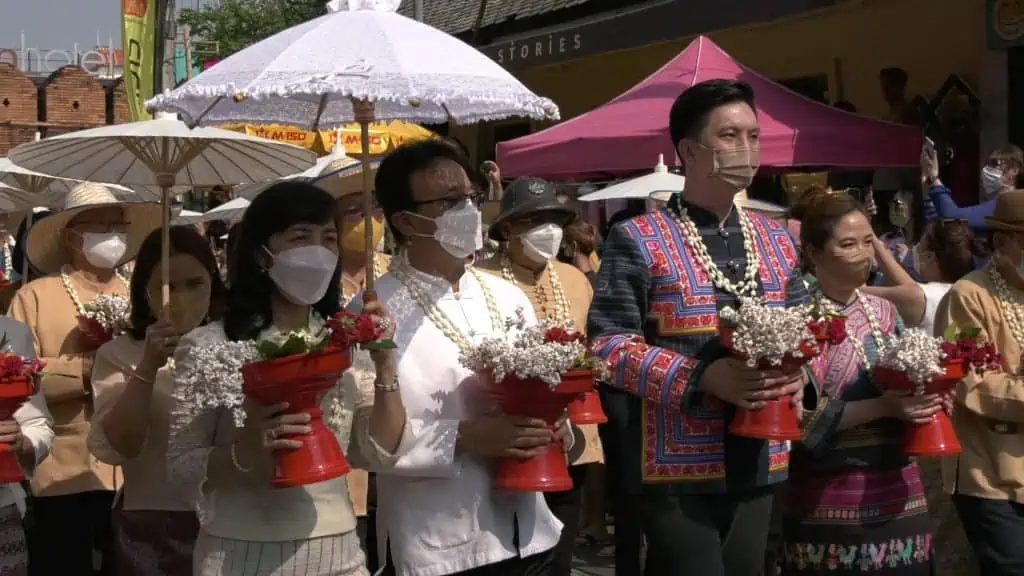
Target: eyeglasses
x=448 y=202
x=101 y=227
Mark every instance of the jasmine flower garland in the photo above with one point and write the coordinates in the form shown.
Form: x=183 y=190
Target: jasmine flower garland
x=530 y=352
x=914 y=353
x=110 y=312
x=765 y=333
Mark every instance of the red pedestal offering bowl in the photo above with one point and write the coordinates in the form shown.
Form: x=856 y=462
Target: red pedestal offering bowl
x=548 y=471
x=936 y=438
x=94 y=332
x=586 y=408
x=13 y=393
x=777 y=419
x=302 y=381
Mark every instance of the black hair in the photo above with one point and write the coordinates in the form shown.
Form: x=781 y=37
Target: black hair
x=184 y=240
x=247 y=311
x=18 y=254
x=230 y=248
x=393 y=184
x=692 y=108
x=819 y=211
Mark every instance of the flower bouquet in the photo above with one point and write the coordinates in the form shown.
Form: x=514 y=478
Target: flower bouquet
x=586 y=408
x=536 y=372
x=300 y=368
x=828 y=327
x=770 y=339
x=103 y=319
x=921 y=364
x=18 y=382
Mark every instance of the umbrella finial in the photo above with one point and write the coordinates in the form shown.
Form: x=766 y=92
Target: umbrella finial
x=239 y=98
x=660 y=168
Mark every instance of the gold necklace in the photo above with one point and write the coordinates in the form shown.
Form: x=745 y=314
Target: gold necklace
x=748 y=286
x=562 y=316
x=438 y=318
x=65 y=279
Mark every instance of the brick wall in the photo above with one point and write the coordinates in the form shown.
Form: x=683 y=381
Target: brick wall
x=118 y=112
x=71 y=96
x=18 y=103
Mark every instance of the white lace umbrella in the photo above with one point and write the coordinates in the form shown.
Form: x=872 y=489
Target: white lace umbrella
x=362 y=62
x=163 y=152
x=661 y=180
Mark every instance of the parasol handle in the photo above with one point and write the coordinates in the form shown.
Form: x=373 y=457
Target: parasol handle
x=165 y=253
x=364 y=115
x=24 y=252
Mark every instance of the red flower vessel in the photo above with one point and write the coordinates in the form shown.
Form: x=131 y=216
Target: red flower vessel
x=94 y=332
x=548 y=471
x=14 y=392
x=587 y=409
x=936 y=438
x=777 y=420
x=302 y=381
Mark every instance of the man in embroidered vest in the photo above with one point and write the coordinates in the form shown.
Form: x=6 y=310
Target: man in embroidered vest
x=529 y=229
x=987 y=478
x=705 y=497
x=79 y=248
x=437 y=511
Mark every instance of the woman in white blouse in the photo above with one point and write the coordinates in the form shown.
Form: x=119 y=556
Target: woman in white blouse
x=285 y=276
x=30 y=435
x=946 y=252
x=154 y=523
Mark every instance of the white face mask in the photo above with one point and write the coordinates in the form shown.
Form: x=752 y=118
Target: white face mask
x=459 y=230
x=541 y=243
x=991 y=180
x=303 y=274
x=104 y=250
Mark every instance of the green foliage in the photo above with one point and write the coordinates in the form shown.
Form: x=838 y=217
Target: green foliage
x=237 y=24
x=954 y=333
x=294 y=345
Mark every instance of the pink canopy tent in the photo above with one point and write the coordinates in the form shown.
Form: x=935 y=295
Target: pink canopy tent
x=627 y=134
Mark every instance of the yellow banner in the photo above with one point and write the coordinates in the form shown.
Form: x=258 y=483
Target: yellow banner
x=384 y=137
x=138 y=23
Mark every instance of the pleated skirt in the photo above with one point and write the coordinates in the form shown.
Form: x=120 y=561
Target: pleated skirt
x=335 y=555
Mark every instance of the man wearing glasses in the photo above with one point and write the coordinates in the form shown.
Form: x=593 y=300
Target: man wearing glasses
x=79 y=250
x=438 y=512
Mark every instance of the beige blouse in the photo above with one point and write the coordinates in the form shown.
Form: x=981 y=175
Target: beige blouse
x=44 y=305
x=146 y=486
x=247 y=507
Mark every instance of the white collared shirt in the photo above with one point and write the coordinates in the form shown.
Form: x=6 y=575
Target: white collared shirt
x=438 y=510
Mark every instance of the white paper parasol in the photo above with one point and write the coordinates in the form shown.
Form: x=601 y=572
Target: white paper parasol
x=163 y=152
x=661 y=180
x=361 y=63
x=231 y=211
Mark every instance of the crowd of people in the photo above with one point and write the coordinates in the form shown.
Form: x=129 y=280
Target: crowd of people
x=131 y=475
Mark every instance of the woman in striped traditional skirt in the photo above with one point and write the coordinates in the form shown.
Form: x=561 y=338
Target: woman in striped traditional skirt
x=855 y=503
x=29 y=436
x=154 y=522
x=285 y=278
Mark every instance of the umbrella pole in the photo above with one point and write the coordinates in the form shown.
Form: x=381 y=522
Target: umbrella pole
x=24 y=252
x=165 y=246
x=364 y=116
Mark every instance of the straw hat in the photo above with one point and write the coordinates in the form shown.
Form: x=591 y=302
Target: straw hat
x=349 y=177
x=45 y=242
x=1009 y=212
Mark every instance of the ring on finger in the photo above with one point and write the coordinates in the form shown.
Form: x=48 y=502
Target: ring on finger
x=270 y=434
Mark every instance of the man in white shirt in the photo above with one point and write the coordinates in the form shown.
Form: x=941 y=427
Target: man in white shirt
x=438 y=513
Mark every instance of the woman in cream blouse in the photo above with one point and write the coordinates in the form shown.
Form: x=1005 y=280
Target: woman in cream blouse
x=154 y=524
x=285 y=277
